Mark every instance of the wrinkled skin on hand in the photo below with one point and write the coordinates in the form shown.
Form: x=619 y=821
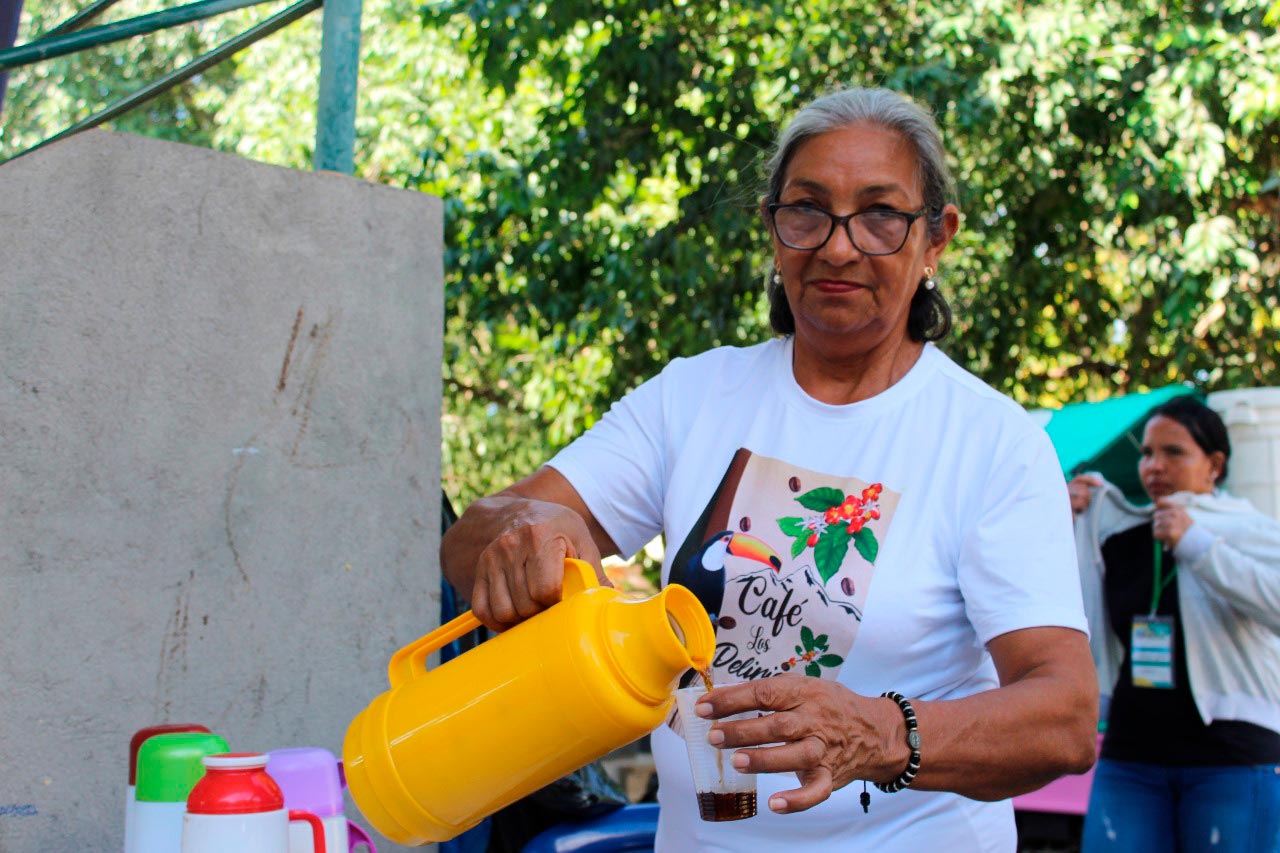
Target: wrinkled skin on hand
x=520 y=572
x=826 y=734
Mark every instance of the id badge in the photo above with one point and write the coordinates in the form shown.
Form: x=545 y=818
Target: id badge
x=1152 y=638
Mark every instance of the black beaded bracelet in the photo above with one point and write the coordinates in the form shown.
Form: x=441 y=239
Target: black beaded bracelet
x=913 y=740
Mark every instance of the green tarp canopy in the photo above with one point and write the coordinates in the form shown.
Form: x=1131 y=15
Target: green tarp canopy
x=1106 y=436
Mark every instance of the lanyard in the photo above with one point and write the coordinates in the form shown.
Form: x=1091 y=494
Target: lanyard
x=1159 y=583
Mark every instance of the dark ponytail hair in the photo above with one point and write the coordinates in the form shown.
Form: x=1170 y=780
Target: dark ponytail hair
x=1206 y=428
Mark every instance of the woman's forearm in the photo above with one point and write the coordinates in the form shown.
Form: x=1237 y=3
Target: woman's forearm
x=1041 y=724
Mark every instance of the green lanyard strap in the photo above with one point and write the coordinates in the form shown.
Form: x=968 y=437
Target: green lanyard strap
x=1159 y=583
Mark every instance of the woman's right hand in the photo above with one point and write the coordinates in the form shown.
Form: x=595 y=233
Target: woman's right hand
x=507 y=551
x=521 y=571
x=1080 y=488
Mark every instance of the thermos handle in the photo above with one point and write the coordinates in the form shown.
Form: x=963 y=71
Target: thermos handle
x=412 y=659
x=317 y=828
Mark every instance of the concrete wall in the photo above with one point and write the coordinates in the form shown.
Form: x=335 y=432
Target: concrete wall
x=219 y=461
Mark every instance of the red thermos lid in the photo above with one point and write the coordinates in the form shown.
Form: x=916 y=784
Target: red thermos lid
x=235 y=783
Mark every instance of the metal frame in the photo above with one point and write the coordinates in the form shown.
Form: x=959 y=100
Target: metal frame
x=84 y=16
x=186 y=72
x=339 y=62
x=51 y=47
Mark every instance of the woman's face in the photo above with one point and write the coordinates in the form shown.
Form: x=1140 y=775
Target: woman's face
x=838 y=294
x=1173 y=462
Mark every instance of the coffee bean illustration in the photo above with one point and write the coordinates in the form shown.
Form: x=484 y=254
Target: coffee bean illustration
x=744 y=524
x=727 y=622
x=846 y=585
x=794 y=484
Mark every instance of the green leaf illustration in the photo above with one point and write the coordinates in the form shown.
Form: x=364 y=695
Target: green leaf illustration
x=791 y=526
x=820 y=642
x=806 y=637
x=799 y=650
x=800 y=543
x=829 y=553
x=865 y=541
x=813 y=670
x=830 y=660
x=821 y=500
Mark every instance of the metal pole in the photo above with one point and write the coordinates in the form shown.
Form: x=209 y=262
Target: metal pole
x=186 y=72
x=48 y=48
x=10 y=15
x=339 y=77
x=79 y=19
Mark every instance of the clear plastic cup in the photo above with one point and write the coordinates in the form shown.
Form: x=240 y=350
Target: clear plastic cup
x=724 y=793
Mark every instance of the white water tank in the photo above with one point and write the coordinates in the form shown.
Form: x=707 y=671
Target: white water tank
x=1252 y=416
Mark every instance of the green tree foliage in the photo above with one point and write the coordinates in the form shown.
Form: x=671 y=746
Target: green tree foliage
x=1139 y=185
x=1118 y=163
x=1118 y=167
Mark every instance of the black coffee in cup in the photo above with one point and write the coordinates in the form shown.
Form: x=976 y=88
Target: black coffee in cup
x=726 y=806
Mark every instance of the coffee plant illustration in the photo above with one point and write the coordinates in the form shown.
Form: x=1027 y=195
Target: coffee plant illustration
x=810 y=652
x=833 y=520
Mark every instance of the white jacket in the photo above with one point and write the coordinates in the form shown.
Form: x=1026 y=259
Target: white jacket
x=1228 y=595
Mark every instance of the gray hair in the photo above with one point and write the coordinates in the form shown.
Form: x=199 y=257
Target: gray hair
x=930 y=317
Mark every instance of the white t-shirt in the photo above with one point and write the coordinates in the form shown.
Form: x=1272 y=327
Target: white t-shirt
x=881 y=543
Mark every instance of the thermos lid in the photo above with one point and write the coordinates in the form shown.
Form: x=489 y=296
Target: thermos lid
x=151 y=731
x=236 y=783
x=169 y=764
x=309 y=778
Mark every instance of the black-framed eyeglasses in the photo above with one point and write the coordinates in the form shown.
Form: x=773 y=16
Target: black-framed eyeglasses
x=872 y=232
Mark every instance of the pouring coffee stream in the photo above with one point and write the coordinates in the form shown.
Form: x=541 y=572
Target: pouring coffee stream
x=448 y=746
x=705 y=675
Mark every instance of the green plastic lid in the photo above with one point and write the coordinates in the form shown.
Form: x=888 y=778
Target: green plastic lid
x=169 y=765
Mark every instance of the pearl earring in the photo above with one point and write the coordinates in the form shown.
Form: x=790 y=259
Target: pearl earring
x=929 y=283
x=777 y=279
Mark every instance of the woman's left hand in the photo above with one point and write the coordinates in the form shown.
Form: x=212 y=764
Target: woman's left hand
x=1169 y=522
x=820 y=730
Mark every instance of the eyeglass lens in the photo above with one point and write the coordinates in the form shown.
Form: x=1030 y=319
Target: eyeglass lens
x=876 y=232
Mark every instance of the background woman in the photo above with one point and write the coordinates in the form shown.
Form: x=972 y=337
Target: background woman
x=1187 y=634
x=857 y=513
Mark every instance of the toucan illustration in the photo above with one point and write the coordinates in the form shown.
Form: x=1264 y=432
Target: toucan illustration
x=703 y=574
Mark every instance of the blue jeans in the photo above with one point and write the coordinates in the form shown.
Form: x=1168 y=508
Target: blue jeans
x=1136 y=808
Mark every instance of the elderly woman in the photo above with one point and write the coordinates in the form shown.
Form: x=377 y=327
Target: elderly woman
x=1186 y=610
x=883 y=542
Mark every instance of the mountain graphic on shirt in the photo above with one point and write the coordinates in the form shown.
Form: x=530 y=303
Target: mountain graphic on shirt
x=803 y=577
x=770 y=624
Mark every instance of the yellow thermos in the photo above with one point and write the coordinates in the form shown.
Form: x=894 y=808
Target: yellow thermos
x=445 y=748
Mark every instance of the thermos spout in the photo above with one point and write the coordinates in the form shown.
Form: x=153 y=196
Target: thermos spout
x=652 y=642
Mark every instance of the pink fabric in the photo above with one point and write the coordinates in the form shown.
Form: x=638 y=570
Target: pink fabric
x=1068 y=795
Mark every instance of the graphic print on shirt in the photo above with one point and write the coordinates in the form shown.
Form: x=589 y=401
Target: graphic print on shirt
x=782 y=559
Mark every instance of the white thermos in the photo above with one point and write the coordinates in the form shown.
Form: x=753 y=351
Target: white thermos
x=140 y=737
x=238 y=807
x=169 y=765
